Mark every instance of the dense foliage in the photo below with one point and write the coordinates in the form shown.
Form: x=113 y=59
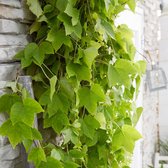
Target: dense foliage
x=85 y=83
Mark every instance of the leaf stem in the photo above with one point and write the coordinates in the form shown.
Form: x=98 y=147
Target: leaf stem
x=44 y=73
x=48 y=69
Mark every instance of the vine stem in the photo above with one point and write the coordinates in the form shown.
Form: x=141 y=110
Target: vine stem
x=44 y=73
x=48 y=69
x=60 y=54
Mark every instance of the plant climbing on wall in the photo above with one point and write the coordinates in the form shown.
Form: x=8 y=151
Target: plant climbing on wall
x=85 y=82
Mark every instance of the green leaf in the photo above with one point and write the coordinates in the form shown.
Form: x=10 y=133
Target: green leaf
x=98 y=92
x=132 y=5
x=55 y=153
x=89 y=55
x=131 y=132
x=25 y=62
x=80 y=71
x=101 y=119
x=53 y=82
x=94 y=95
x=125 y=138
x=25 y=112
x=59 y=121
x=56 y=37
x=93 y=158
x=69 y=135
x=124 y=38
x=20 y=114
x=118 y=140
x=30 y=50
x=103 y=152
x=27 y=144
x=87 y=99
x=48 y=8
x=7 y=101
x=118 y=74
x=108 y=28
x=93 y=141
x=107 y=4
x=35 y=27
x=16 y=133
x=78 y=30
x=59 y=103
x=141 y=67
x=45 y=98
x=36 y=156
x=137 y=115
x=46 y=48
x=51 y=163
x=73 y=12
x=69 y=28
x=76 y=153
x=36 y=134
x=35 y=7
x=32 y=53
x=89 y=125
x=73 y=2
x=61 y=5
x=33 y=104
x=19 y=55
x=70 y=164
x=66 y=88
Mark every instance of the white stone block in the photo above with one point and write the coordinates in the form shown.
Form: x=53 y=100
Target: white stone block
x=15 y=14
x=12 y=27
x=12 y=3
x=7 y=53
x=9 y=72
x=13 y=40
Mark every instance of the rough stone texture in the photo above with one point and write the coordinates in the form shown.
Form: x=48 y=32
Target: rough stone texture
x=14 y=17
x=14 y=21
x=9 y=40
x=12 y=3
x=9 y=72
x=12 y=27
x=7 y=53
x=150 y=114
x=15 y=13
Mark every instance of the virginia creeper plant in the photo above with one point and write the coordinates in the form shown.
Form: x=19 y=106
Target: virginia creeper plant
x=85 y=82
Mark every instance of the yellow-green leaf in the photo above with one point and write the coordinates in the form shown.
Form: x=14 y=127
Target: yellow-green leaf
x=36 y=156
x=53 y=82
x=35 y=7
x=89 y=55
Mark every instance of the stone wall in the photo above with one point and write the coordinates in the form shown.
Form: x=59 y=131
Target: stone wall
x=14 y=22
x=150 y=101
x=14 y=18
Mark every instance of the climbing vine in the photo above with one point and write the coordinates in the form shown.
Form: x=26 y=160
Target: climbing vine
x=85 y=82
